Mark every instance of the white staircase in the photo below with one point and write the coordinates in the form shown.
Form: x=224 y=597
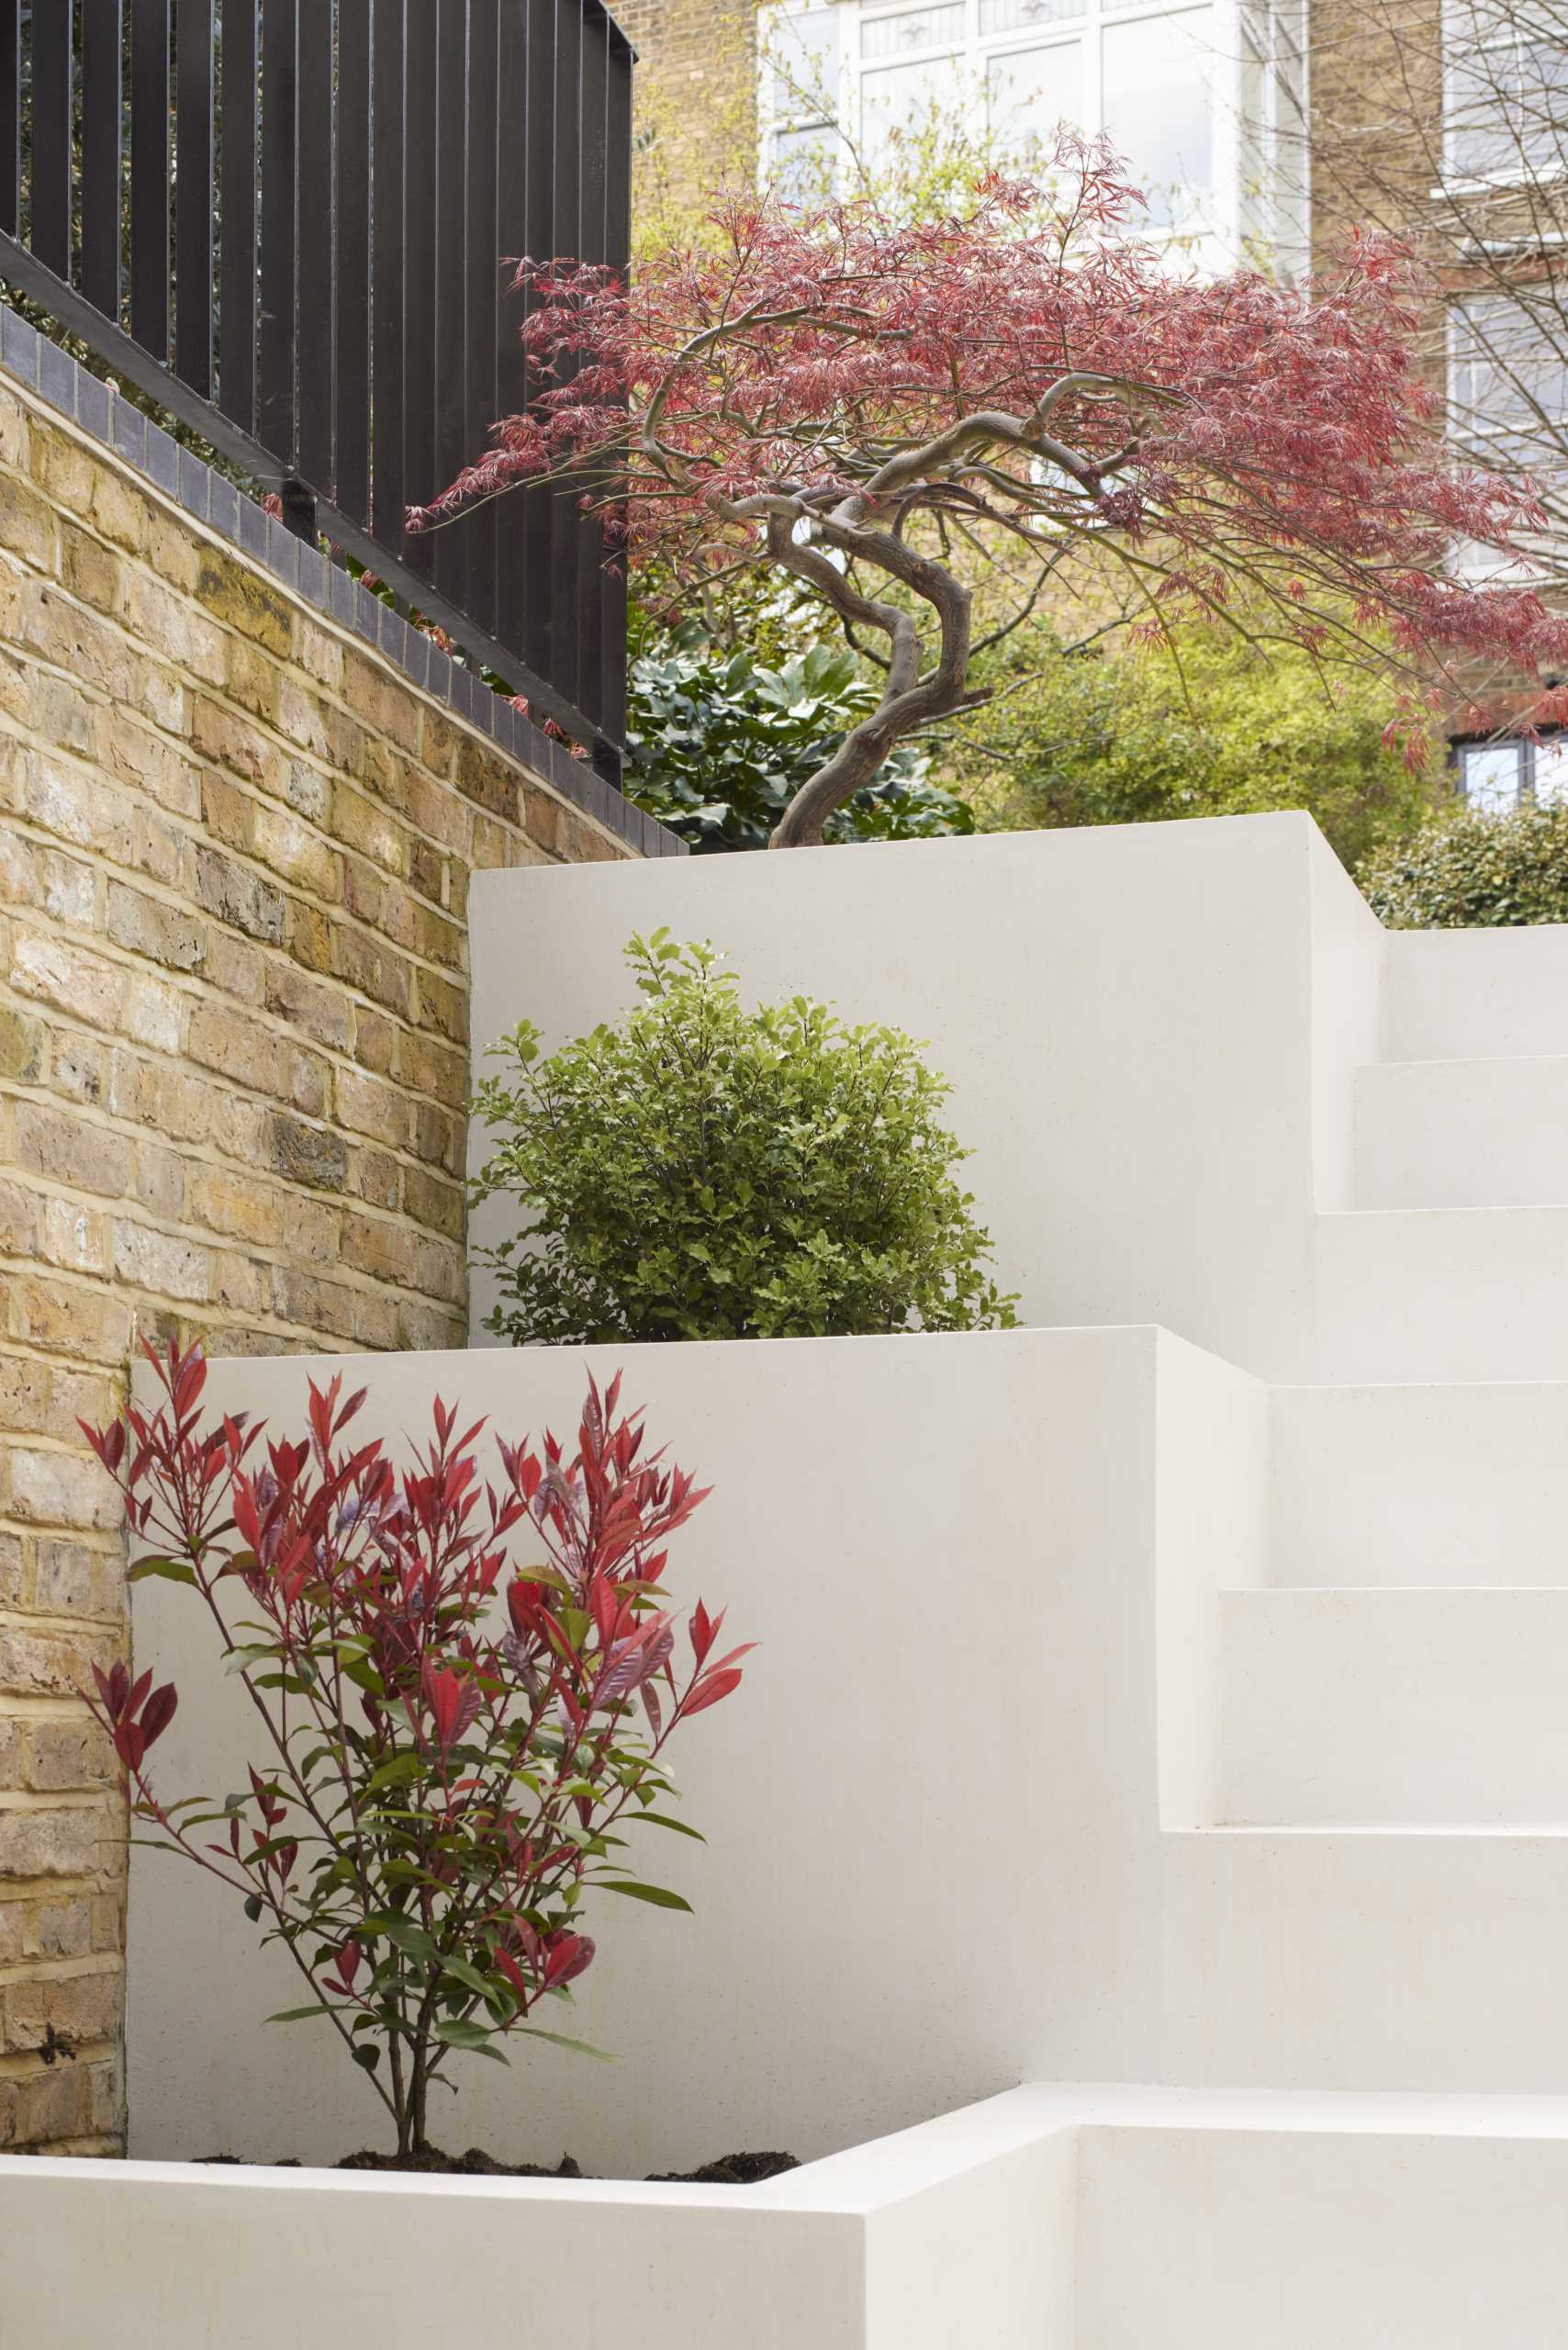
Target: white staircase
x=1196 y=1709
x=1406 y=1665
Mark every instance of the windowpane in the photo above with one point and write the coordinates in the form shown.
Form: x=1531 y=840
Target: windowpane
x=802 y=61
x=900 y=98
x=1550 y=762
x=1508 y=387
x=803 y=164
x=1020 y=15
x=1489 y=776
x=1028 y=92
x=1506 y=81
x=1158 y=109
x=912 y=28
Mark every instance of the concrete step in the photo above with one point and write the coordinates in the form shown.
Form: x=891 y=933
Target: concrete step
x=1462 y=1133
x=1379 y=1708
x=1414 y=1295
x=1464 y=994
x=1279 y=2222
x=1419 y=1484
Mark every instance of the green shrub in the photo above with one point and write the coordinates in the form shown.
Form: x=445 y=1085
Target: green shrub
x=704 y=1171
x=721 y=742
x=1139 y=734
x=1474 y=871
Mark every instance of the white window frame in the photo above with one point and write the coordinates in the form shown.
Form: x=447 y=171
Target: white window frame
x=1458 y=26
x=1469 y=560
x=1228 y=230
x=1554 y=740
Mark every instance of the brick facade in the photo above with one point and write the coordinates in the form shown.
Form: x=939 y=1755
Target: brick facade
x=235 y=844
x=696 y=106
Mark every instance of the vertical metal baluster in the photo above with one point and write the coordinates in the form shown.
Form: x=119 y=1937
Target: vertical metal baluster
x=277 y=326
x=103 y=154
x=388 y=66
x=237 y=255
x=51 y=124
x=149 y=175
x=317 y=242
x=352 y=436
x=193 y=196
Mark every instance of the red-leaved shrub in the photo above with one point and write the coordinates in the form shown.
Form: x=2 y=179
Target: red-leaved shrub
x=441 y=1779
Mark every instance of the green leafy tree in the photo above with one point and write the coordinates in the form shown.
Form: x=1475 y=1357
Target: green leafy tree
x=1207 y=725
x=1474 y=871
x=702 y=1171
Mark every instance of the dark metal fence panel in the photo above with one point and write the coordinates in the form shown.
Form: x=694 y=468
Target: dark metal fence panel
x=292 y=222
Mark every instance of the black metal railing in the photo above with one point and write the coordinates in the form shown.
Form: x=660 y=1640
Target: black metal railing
x=287 y=221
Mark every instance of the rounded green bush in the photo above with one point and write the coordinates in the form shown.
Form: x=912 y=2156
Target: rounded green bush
x=1474 y=871
x=700 y=1170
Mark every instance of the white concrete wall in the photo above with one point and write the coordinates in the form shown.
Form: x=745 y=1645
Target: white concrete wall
x=1126 y=1015
x=946 y=1549
x=1173 y=1047
x=965 y=1819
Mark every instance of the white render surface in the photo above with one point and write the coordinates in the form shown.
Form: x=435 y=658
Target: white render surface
x=1430 y=1484
x=1130 y=1707
x=1472 y=995
x=986 y=1573
x=1179 y=1054
x=1366 y=1707
x=956 y=1554
x=1464 y=1133
x=1059 y=2217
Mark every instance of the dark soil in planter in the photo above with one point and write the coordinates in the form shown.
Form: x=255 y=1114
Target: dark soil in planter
x=730 y=2170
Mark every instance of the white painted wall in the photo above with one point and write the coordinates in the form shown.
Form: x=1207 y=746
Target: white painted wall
x=1125 y=1014
x=965 y=1816
x=945 y=1547
x=1168 y=1044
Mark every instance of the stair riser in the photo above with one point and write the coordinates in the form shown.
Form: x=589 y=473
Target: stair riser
x=1406 y=1707
x=1472 y=1134
x=1239 y=2239
x=1398 y=1485
x=1454 y=994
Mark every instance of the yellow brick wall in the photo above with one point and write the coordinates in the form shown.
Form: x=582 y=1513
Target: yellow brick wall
x=235 y=847
x=695 y=108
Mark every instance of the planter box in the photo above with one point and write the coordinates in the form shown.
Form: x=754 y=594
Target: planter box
x=956 y=2234
x=1049 y=2218
x=952 y=1552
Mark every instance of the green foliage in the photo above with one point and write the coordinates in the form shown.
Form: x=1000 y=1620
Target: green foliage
x=1215 y=729
x=704 y=1171
x=1474 y=871
x=721 y=742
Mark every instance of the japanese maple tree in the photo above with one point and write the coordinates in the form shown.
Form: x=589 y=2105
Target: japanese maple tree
x=1023 y=389
x=451 y=1737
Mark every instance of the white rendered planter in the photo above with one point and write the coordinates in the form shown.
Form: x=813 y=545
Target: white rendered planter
x=1180 y=1054
x=1003 y=1796
x=1059 y=2219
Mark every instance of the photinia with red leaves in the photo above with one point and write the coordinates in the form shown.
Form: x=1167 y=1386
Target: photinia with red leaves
x=452 y=1739
x=1027 y=392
